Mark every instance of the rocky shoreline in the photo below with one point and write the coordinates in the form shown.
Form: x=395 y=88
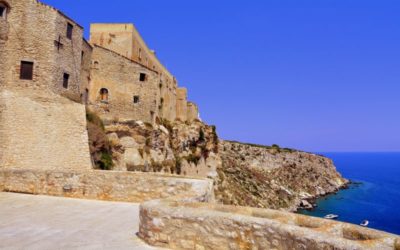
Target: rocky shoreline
x=311 y=203
x=274 y=177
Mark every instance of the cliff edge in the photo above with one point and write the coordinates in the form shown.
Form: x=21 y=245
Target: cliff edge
x=273 y=177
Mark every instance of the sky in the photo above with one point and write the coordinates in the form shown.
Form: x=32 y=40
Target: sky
x=315 y=75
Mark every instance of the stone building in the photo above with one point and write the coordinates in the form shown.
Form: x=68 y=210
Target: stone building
x=162 y=89
x=41 y=48
x=49 y=72
x=41 y=58
x=121 y=88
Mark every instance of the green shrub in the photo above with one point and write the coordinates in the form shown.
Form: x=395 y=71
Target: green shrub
x=99 y=145
x=105 y=162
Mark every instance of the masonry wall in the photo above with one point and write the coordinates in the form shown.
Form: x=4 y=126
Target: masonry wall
x=181 y=104
x=192 y=111
x=4 y=29
x=86 y=65
x=125 y=40
x=41 y=130
x=183 y=225
x=104 y=185
x=33 y=29
x=68 y=58
x=121 y=77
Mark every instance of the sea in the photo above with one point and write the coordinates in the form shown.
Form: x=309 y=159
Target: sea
x=374 y=194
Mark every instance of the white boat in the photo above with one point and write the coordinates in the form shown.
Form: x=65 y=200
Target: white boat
x=331 y=216
x=364 y=223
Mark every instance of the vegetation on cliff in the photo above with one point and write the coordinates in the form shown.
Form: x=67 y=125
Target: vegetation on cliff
x=99 y=145
x=270 y=177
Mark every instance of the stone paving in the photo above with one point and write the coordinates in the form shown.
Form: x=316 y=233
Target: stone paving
x=44 y=222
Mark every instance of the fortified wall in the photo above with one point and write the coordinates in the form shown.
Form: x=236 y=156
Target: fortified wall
x=125 y=40
x=131 y=91
x=50 y=72
x=42 y=123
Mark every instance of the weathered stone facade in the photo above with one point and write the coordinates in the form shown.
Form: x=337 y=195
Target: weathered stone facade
x=42 y=124
x=42 y=131
x=126 y=97
x=104 y=185
x=184 y=225
x=86 y=65
x=37 y=33
x=124 y=40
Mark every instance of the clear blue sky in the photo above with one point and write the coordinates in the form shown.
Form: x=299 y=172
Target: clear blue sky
x=317 y=75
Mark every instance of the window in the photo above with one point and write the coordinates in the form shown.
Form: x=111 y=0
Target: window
x=140 y=54
x=96 y=65
x=104 y=95
x=26 y=72
x=3 y=10
x=65 y=80
x=136 y=99
x=70 y=27
x=142 y=77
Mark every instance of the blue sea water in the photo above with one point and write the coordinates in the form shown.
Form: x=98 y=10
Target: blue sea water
x=376 y=198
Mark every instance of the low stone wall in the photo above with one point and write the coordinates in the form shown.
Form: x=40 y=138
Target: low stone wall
x=180 y=225
x=176 y=214
x=105 y=185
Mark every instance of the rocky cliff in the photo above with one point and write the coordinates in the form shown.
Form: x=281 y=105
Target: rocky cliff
x=244 y=174
x=272 y=177
x=179 y=148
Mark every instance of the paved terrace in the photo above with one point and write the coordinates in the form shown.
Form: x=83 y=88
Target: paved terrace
x=43 y=222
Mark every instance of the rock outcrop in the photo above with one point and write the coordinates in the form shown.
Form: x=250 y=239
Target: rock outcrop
x=244 y=174
x=272 y=177
x=178 y=148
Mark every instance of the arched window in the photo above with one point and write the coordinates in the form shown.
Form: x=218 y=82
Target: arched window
x=104 y=94
x=3 y=10
x=96 y=65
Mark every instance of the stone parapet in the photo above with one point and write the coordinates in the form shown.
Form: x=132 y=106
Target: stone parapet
x=182 y=225
x=105 y=185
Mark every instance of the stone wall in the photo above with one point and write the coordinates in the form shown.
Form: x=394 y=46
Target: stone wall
x=192 y=111
x=40 y=130
x=86 y=65
x=125 y=40
x=181 y=104
x=37 y=33
x=121 y=77
x=182 y=225
x=105 y=185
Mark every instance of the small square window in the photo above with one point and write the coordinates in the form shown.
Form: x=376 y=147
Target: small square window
x=136 y=99
x=70 y=28
x=142 y=77
x=65 y=80
x=26 y=71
